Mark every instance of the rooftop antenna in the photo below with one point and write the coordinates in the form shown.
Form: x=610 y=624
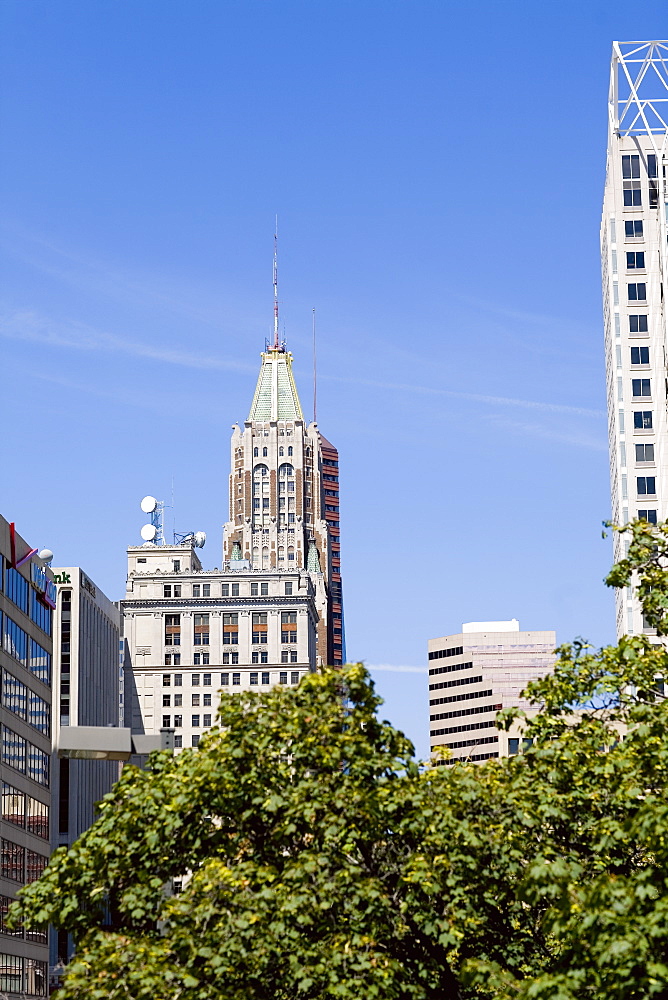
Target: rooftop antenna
x=315 y=396
x=277 y=345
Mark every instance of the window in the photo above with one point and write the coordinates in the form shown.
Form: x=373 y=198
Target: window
x=206 y=700
x=259 y=627
x=646 y=486
x=178 y=700
x=166 y=680
x=178 y=721
x=294 y=677
x=230 y=628
x=637 y=292
x=14 y=694
x=177 y=569
x=172 y=630
x=225 y=679
x=195 y=721
x=644 y=453
x=633 y=229
x=640 y=355
x=638 y=324
x=226 y=590
x=235 y=590
x=264 y=590
x=635 y=260
x=642 y=420
x=641 y=387
x=166 y=721
x=195 y=741
x=288 y=626
x=166 y=701
x=631 y=166
x=195 y=700
x=178 y=741
x=178 y=680
x=253 y=677
x=288 y=590
x=195 y=680
x=648 y=515
x=196 y=590
x=264 y=452
x=206 y=680
x=265 y=676
x=206 y=720
x=236 y=679
x=167 y=590
x=40 y=614
x=206 y=590
x=11 y=865
x=255 y=589
x=37 y=818
x=201 y=637
x=255 y=452
x=293 y=656
x=290 y=451
x=197 y=659
x=15 y=641
x=40 y=662
x=285 y=656
x=17 y=589
x=13 y=750
x=234 y=658
x=283 y=677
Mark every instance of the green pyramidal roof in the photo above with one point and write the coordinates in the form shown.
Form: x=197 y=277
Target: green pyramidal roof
x=276 y=393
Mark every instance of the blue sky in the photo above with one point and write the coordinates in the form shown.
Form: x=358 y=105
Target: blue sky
x=437 y=169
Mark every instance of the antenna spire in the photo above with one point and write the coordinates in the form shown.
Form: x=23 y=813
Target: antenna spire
x=315 y=398
x=276 y=337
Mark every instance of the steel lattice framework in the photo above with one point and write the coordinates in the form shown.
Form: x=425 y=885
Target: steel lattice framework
x=638 y=101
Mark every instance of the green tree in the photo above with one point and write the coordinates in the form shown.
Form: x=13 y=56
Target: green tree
x=325 y=863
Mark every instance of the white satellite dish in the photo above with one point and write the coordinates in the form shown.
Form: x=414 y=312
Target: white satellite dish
x=200 y=538
x=148 y=532
x=46 y=555
x=148 y=504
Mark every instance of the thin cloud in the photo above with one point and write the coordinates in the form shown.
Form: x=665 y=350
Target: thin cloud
x=30 y=326
x=529 y=404
x=565 y=437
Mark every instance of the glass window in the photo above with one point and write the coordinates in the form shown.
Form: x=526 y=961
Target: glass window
x=288 y=590
x=631 y=165
x=640 y=355
x=264 y=589
x=195 y=721
x=35 y=865
x=637 y=291
x=40 y=662
x=166 y=701
x=642 y=420
x=166 y=721
x=236 y=679
x=633 y=229
x=38 y=765
x=13 y=750
x=294 y=677
x=12 y=861
x=166 y=680
x=37 y=818
x=226 y=590
x=167 y=590
x=40 y=614
x=39 y=714
x=178 y=721
x=288 y=626
x=14 y=695
x=195 y=741
x=172 y=630
x=196 y=590
x=178 y=680
x=644 y=453
x=195 y=700
x=632 y=194
x=646 y=486
x=5 y=903
x=16 y=587
x=283 y=677
x=235 y=590
x=206 y=590
x=178 y=700
x=635 y=260
x=13 y=805
x=648 y=515
x=197 y=659
x=638 y=324
x=259 y=631
x=235 y=657
x=225 y=679
x=641 y=387
x=15 y=641
x=178 y=741
x=206 y=720
x=206 y=700
x=265 y=676
x=651 y=165
x=195 y=680
x=253 y=677
x=11 y=974
x=254 y=589
x=206 y=680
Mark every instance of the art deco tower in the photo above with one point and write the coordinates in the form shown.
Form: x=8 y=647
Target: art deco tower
x=635 y=281
x=284 y=494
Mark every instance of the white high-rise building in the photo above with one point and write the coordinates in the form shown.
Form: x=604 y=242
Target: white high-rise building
x=634 y=257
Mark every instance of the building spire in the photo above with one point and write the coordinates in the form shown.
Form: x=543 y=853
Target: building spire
x=277 y=345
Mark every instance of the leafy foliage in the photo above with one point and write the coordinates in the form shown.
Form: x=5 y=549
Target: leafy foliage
x=324 y=863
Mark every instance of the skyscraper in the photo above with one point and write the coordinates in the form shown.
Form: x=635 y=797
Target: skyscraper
x=634 y=258
x=274 y=609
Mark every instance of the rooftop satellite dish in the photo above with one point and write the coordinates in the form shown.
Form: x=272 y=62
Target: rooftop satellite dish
x=148 y=532
x=148 y=504
x=46 y=555
x=200 y=538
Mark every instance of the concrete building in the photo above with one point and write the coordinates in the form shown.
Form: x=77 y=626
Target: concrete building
x=274 y=611
x=472 y=676
x=634 y=262
x=27 y=599
x=87 y=691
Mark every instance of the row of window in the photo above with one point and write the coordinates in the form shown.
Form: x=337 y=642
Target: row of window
x=25 y=598
x=177 y=681
x=18 y=753
x=257 y=656
x=491 y=724
x=469 y=757
x=450 y=667
x=458 y=713
x=19 y=864
x=460 y=697
x=23 y=702
x=265 y=452
x=23 y=975
x=23 y=810
x=21 y=647
x=457 y=682
x=201 y=625
x=479 y=741
x=227 y=590
x=38 y=937
x=440 y=653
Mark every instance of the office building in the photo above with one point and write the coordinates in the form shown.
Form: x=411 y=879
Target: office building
x=634 y=261
x=274 y=609
x=472 y=676
x=87 y=691
x=27 y=599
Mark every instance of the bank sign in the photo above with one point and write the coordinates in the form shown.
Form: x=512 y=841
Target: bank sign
x=45 y=588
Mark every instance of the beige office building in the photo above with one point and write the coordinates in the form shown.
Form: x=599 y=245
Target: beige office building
x=634 y=258
x=472 y=676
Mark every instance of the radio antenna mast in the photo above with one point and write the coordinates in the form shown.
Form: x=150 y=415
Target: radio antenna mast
x=315 y=383
x=276 y=337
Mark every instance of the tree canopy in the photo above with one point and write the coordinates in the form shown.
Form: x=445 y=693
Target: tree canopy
x=319 y=860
